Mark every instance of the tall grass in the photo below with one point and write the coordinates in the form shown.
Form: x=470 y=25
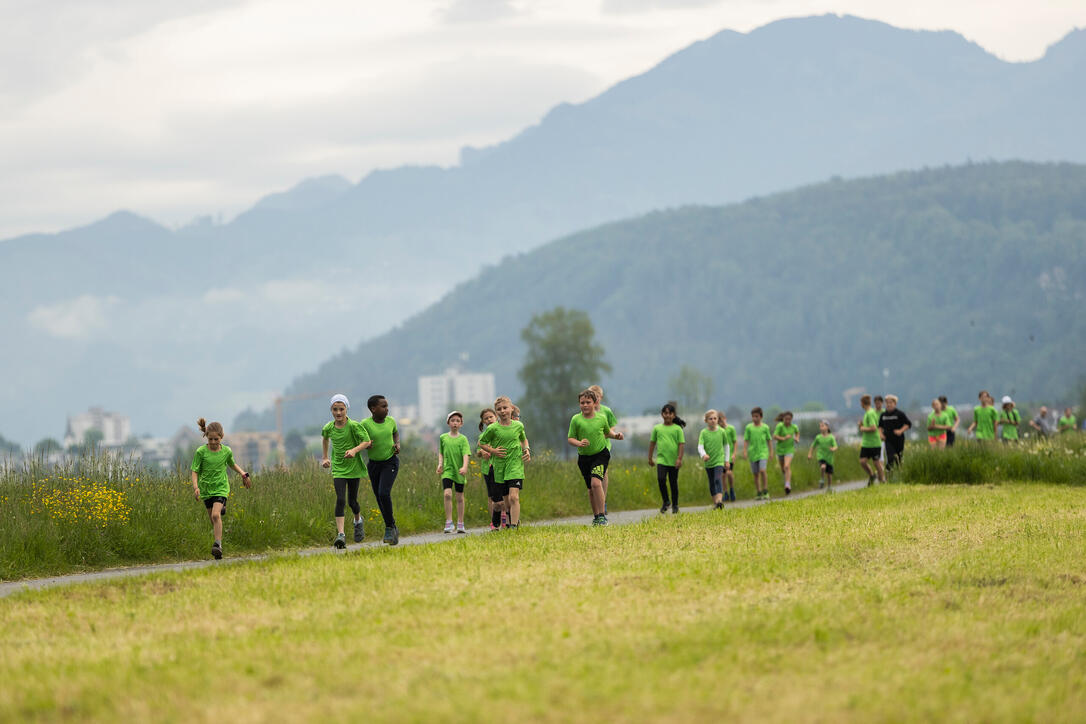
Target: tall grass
x=1059 y=459
x=101 y=510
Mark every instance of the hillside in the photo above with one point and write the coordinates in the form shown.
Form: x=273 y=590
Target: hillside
x=271 y=292
x=951 y=279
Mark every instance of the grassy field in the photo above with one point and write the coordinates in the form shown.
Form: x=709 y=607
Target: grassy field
x=1059 y=459
x=898 y=603
x=106 y=512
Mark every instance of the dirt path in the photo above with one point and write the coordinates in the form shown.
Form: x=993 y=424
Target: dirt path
x=617 y=518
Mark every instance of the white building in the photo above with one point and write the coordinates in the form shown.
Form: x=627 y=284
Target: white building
x=437 y=393
x=115 y=428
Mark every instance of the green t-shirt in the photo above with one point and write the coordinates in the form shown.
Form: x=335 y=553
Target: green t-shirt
x=507 y=437
x=729 y=432
x=823 y=445
x=453 y=450
x=870 y=439
x=952 y=415
x=758 y=439
x=381 y=434
x=1008 y=421
x=667 y=439
x=343 y=439
x=593 y=429
x=1067 y=424
x=786 y=447
x=210 y=468
x=937 y=418
x=985 y=419
x=714 y=442
x=611 y=419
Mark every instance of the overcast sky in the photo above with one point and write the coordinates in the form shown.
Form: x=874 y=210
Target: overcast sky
x=180 y=109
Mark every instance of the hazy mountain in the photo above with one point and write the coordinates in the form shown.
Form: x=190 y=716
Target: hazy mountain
x=950 y=279
x=124 y=310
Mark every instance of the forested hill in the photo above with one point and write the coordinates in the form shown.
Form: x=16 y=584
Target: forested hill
x=951 y=279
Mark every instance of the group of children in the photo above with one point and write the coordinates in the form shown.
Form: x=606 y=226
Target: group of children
x=504 y=450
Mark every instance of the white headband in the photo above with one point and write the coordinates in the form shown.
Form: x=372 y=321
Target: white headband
x=340 y=398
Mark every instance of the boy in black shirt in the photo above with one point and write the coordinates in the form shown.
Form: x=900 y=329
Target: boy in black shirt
x=893 y=423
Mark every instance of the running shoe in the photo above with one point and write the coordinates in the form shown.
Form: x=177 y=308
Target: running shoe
x=494 y=527
x=718 y=506
x=460 y=528
x=731 y=494
x=603 y=520
x=388 y=535
x=449 y=526
x=787 y=489
x=505 y=519
x=871 y=481
x=395 y=539
x=674 y=509
x=821 y=484
x=359 y=531
x=664 y=507
x=596 y=520
x=340 y=541
x=216 y=550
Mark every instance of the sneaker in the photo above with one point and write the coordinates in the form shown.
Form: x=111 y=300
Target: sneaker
x=460 y=528
x=674 y=509
x=216 y=550
x=787 y=489
x=821 y=484
x=596 y=520
x=340 y=541
x=871 y=481
x=731 y=494
x=718 y=506
x=388 y=535
x=359 y=531
x=505 y=519
x=395 y=539
x=603 y=519
x=449 y=526
x=664 y=507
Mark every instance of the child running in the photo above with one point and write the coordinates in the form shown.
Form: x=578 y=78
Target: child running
x=384 y=462
x=985 y=418
x=453 y=454
x=612 y=421
x=938 y=424
x=487 y=417
x=507 y=444
x=824 y=446
x=1067 y=423
x=758 y=448
x=952 y=415
x=878 y=401
x=715 y=452
x=348 y=438
x=1009 y=420
x=589 y=432
x=729 y=466
x=210 y=481
x=870 y=443
x=667 y=443
x=787 y=435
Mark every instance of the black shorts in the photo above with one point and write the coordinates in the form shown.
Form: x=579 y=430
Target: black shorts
x=518 y=484
x=208 y=502
x=949 y=438
x=594 y=466
x=871 y=453
x=828 y=467
x=497 y=491
x=447 y=484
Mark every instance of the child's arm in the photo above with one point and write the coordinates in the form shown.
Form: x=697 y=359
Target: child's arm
x=244 y=475
x=526 y=450
x=396 y=441
x=611 y=433
x=810 y=451
x=195 y=485
x=701 y=451
x=746 y=447
x=464 y=467
x=440 y=461
x=652 y=449
x=577 y=443
x=358 y=448
x=325 y=462
x=679 y=457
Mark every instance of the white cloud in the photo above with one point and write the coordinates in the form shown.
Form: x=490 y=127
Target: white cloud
x=80 y=318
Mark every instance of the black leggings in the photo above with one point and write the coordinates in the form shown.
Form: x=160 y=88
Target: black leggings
x=716 y=480
x=346 y=488
x=382 y=477
x=670 y=473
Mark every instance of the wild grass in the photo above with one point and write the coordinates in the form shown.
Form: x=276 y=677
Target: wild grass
x=898 y=603
x=1057 y=459
x=102 y=511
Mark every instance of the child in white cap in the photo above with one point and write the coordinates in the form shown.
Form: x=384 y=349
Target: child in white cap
x=1009 y=420
x=348 y=438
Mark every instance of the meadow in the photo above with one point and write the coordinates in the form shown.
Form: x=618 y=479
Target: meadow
x=103 y=511
x=896 y=603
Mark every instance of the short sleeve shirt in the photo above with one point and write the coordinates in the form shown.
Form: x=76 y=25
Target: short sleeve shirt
x=668 y=438
x=210 y=468
x=823 y=445
x=594 y=429
x=507 y=437
x=786 y=447
x=381 y=435
x=758 y=437
x=453 y=450
x=870 y=439
x=343 y=439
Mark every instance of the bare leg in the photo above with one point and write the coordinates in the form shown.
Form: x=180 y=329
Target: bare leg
x=514 y=506
x=596 y=495
x=215 y=513
x=448 y=503
x=460 y=508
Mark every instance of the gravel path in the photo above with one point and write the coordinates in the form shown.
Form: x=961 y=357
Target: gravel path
x=617 y=518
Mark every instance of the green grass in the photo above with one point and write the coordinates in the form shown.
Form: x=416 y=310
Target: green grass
x=959 y=603
x=1059 y=459
x=286 y=508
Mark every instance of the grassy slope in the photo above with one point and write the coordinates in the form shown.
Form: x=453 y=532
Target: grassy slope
x=291 y=509
x=898 y=603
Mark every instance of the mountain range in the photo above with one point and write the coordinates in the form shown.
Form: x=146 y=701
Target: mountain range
x=168 y=324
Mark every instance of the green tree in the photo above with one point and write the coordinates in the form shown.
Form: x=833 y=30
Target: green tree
x=692 y=390
x=562 y=359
